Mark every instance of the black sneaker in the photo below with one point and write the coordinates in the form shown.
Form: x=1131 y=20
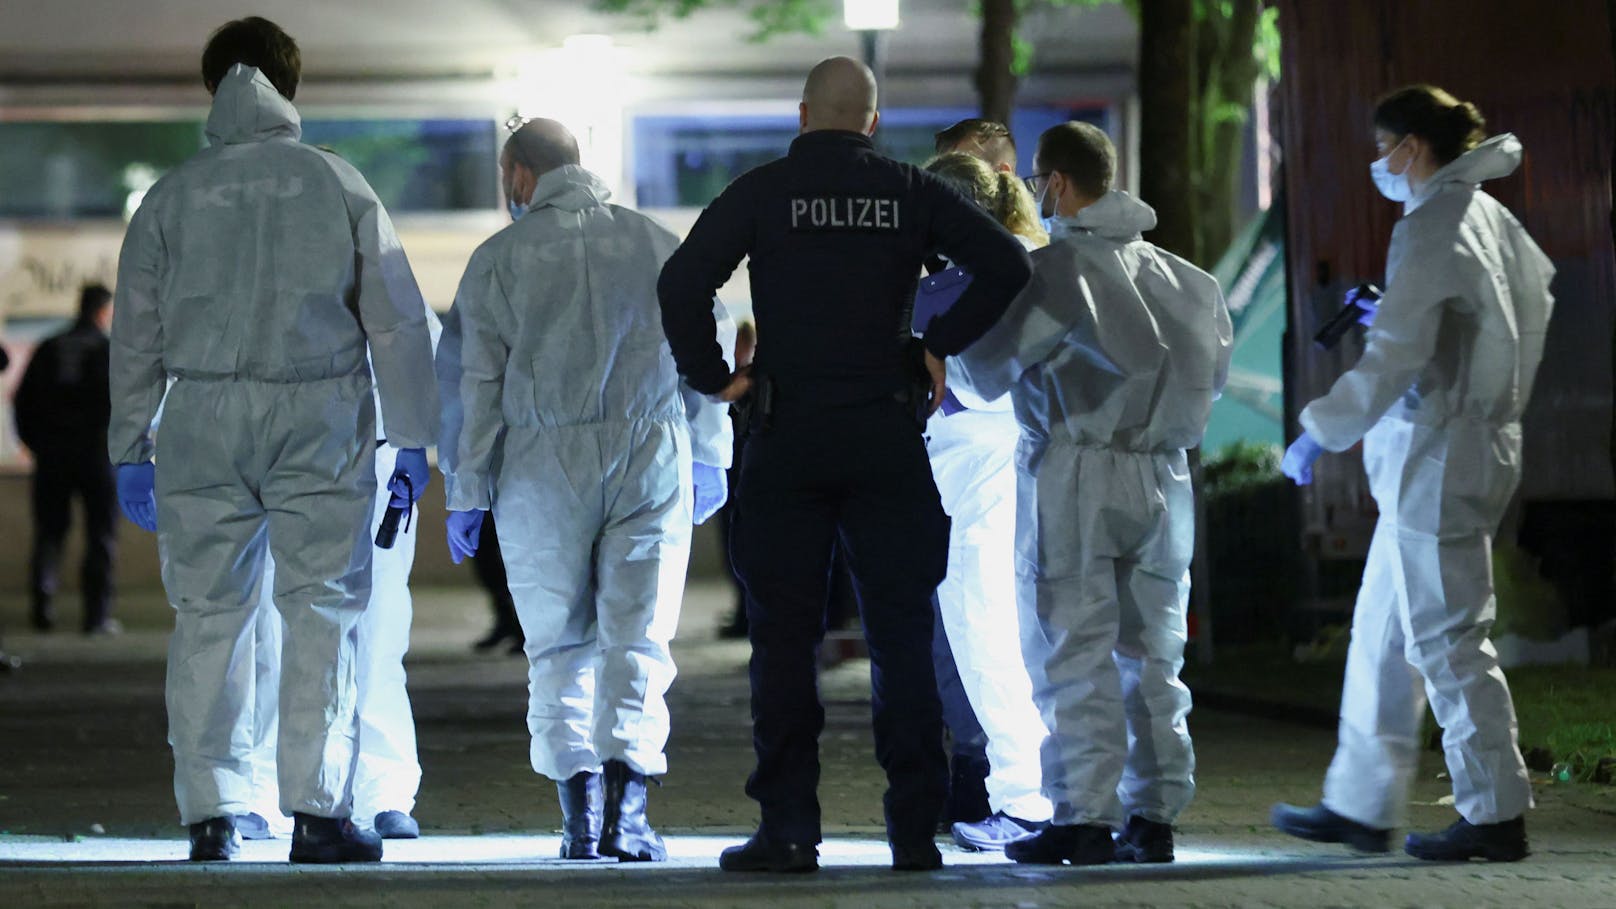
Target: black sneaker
x=396 y=825
x=253 y=826
x=1463 y=841
x=1080 y=844
x=761 y=854
x=331 y=841
x=922 y=856
x=1145 y=842
x=215 y=840
x=1321 y=825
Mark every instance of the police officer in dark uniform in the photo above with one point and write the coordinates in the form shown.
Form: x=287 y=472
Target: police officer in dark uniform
x=837 y=234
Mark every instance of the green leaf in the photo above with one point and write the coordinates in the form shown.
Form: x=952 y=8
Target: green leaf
x=1267 y=48
x=1020 y=56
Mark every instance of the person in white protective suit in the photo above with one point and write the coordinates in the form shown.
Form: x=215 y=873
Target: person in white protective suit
x=1437 y=400
x=972 y=443
x=387 y=771
x=1113 y=356
x=569 y=422
x=255 y=276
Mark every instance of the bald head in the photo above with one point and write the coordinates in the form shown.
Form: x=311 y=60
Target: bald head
x=542 y=146
x=840 y=94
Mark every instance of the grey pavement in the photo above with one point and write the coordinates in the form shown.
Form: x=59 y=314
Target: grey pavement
x=87 y=814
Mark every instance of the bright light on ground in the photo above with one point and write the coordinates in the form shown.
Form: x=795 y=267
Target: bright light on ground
x=684 y=852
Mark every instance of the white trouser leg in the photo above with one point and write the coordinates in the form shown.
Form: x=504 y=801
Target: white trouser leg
x=1381 y=700
x=211 y=535
x=266 y=788
x=1158 y=780
x=973 y=463
x=1451 y=610
x=318 y=493
x=640 y=580
x=387 y=774
x=548 y=513
x=1076 y=596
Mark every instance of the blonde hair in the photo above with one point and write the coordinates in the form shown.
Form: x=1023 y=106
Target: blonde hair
x=1003 y=194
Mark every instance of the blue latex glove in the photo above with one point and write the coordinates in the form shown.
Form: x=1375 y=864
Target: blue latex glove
x=1299 y=458
x=712 y=490
x=465 y=529
x=137 y=494
x=411 y=464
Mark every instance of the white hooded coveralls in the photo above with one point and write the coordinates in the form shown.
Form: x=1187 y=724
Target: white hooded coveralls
x=1113 y=355
x=255 y=276
x=973 y=461
x=571 y=423
x=1437 y=400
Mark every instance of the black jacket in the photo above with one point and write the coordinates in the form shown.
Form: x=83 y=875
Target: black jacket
x=63 y=404
x=837 y=234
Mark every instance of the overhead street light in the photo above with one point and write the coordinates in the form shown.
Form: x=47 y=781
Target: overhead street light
x=873 y=20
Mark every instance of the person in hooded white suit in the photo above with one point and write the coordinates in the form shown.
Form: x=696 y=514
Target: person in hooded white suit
x=1436 y=400
x=1113 y=355
x=252 y=282
x=569 y=421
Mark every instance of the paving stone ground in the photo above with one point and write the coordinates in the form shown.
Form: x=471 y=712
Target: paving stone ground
x=87 y=815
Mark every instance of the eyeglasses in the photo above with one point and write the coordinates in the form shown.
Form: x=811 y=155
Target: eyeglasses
x=1036 y=181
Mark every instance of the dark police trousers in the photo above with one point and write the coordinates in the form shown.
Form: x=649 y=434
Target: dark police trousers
x=858 y=474
x=57 y=480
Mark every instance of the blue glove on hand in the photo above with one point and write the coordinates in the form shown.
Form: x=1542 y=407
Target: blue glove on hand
x=712 y=490
x=465 y=529
x=411 y=466
x=1299 y=458
x=137 y=494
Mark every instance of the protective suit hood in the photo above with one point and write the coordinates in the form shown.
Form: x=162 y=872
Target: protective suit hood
x=1495 y=158
x=1116 y=216
x=247 y=108
x=569 y=188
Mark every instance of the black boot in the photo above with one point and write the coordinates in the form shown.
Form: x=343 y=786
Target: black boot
x=1080 y=844
x=1145 y=841
x=215 y=840
x=1321 y=825
x=1501 y=842
x=332 y=840
x=626 y=834
x=581 y=802
x=762 y=854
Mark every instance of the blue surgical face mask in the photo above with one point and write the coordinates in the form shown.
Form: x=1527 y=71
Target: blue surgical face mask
x=1393 y=186
x=516 y=209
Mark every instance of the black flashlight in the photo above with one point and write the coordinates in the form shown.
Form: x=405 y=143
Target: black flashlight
x=387 y=534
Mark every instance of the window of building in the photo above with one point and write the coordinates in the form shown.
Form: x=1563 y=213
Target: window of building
x=66 y=170
x=685 y=161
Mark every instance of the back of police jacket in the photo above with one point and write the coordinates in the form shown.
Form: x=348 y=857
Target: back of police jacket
x=837 y=234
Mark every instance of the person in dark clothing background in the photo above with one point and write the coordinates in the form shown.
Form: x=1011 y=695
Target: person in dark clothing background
x=489 y=564
x=62 y=409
